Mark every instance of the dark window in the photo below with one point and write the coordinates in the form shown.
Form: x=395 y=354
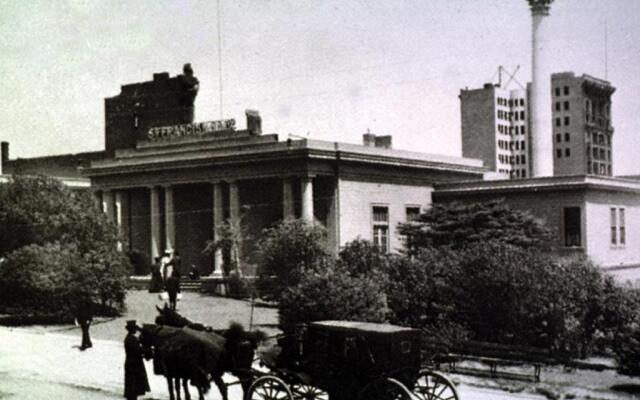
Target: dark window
x=522 y=115
x=566 y=121
x=558 y=122
x=524 y=160
x=558 y=138
x=572 y=227
x=623 y=238
x=522 y=102
x=614 y=226
x=412 y=213
x=566 y=90
x=524 y=173
x=557 y=106
x=522 y=130
x=566 y=105
x=567 y=152
x=522 y=145
x=567 y=137
x=559 y=153
x=557 y=91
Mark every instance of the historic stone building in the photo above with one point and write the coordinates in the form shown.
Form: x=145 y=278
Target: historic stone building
x=171 y=182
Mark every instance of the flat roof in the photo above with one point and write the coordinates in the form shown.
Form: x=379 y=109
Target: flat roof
x=203 y=151
x=569 y=182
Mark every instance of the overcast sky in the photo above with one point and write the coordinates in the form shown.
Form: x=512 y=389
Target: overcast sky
x=327 y=69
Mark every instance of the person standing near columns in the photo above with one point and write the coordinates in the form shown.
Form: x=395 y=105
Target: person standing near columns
x=135 y=374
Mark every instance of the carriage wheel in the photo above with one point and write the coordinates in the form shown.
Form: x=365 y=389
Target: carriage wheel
x=268 y=388
x=307 y=392
x=432 y=385
x=385 y=389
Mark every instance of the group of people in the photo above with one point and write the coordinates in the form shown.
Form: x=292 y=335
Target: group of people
x=165 y=275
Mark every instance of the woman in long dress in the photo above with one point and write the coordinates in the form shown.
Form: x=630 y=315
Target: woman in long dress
x=135 y=375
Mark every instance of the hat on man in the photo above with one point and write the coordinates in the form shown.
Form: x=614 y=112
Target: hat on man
x=131 y=325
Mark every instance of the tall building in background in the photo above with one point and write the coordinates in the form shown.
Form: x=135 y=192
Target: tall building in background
x=495 y=124
x=496 y=127
x=582 y=129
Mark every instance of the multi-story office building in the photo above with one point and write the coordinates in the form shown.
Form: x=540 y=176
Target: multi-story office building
x=582 y=130
x=496 y=127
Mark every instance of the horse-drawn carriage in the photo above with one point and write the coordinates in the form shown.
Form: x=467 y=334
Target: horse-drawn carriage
x=344 y=360
x=336 y=360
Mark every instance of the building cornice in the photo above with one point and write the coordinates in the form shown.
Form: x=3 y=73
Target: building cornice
x=556 y=183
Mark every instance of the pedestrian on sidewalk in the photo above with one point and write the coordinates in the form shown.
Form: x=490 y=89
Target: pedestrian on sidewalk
x=135 y=375
x=84 y=317
x=173 y=288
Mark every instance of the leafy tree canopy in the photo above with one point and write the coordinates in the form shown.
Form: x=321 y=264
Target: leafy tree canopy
x=456 y=225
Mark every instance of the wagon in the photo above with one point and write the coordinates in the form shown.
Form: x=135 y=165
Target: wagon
x=342 y=360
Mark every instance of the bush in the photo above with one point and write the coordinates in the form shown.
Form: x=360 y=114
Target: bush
x=361 y=257
x=332 y=294
x=286 y=252
x=58 y=247
x=49 y=279
x=626 y=340
x=239 y=287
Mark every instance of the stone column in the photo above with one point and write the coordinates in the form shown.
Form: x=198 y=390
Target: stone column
x=218 y=220
x=288 y=211
x=97 y=198
x=154 y=192
x=118 y=208
x=234 y=217
x=169 y=219
x=306 y=188
x=107 y=204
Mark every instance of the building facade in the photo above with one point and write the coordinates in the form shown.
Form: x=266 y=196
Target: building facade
x=171 y=184
x=496 y=128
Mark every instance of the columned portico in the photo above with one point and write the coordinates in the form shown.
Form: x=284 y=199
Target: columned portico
x=218 y=220
x=306 y=188
x=154 y=192
x=288 y=211
x=169 y=219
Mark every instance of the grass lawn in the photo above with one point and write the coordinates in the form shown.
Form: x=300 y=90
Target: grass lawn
x=209 y=310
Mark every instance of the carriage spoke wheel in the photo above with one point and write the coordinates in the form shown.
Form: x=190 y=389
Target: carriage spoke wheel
x=268 y=388
x=307 y=392
x=385 y=389
x=432 y=385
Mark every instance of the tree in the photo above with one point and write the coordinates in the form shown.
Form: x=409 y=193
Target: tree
x=457 y=225
x=287 y=251
x=56 y=245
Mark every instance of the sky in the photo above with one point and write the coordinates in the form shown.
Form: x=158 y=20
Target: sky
x=328 y=70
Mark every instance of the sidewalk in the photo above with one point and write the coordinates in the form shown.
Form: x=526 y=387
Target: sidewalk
x=45 y=358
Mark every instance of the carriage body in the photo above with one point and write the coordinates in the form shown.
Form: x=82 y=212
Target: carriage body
x=341 y=354
x=350 y=360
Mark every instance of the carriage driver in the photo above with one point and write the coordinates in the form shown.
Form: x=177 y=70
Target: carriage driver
x=135 y=375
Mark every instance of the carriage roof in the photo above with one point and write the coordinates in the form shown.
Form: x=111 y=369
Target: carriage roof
x=361 y=327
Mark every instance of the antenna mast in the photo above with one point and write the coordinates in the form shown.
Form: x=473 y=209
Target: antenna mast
x=220 y=59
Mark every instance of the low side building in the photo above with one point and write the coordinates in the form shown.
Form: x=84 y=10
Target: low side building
x=591 y=215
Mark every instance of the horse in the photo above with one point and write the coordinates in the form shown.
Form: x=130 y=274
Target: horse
x=240 y=347
x=179 y=355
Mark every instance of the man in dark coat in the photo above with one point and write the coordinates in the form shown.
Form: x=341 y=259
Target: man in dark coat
x=173 y=288
x=135 y=375
x=84 y=316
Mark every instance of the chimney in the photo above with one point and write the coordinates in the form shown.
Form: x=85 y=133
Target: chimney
x=540 y=95
x=371 y=140
x=4 y=154
x=254 y=122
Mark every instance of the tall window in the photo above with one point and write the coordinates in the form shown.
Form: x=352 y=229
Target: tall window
x=623 y=238
x=618 y=232
x=381 y=227
x=572 y=227
x=614 y=226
